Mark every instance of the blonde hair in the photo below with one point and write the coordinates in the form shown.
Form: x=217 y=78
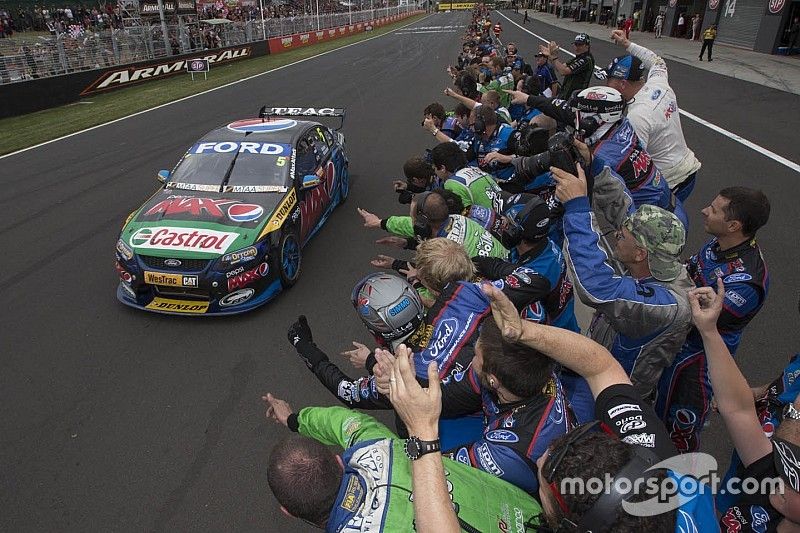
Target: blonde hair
x=441 y=261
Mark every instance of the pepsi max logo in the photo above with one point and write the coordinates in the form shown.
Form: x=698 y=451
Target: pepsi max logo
x=245 y=212
x=256 y=125
x=502 y=435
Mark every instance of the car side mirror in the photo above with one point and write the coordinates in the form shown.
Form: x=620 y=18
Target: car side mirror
x=310 y=181
x=163 y=176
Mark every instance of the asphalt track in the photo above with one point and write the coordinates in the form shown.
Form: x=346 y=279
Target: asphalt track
x=118 y=420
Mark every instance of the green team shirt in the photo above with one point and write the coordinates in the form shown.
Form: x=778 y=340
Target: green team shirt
x=466 y=232
x=473 y=186
x=499 y=84
x=375 y=494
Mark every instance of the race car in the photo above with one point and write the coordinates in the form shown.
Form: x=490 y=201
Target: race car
x=226 y=231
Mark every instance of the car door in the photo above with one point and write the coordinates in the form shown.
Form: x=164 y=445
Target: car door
x=313 y=158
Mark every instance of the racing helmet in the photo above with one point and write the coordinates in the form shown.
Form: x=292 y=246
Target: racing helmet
x=388 y=305
x=597 y=107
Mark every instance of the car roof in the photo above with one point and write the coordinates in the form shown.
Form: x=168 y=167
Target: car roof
x=278 y=130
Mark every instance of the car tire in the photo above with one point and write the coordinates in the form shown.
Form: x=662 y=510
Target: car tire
x=344 y=185
x=289 y=258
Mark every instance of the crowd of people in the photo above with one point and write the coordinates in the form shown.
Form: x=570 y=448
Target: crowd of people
x=543 y=187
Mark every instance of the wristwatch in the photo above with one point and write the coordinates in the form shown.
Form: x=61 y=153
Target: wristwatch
x=416 y=448
x=788 y=412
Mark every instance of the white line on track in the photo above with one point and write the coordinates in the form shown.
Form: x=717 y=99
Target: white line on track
x=722 y=131
x=205 y=92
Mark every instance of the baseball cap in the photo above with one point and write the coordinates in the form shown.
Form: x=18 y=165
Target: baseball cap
x=663 y=236
x=530 y=213
x=582 y=38
x=625 y=67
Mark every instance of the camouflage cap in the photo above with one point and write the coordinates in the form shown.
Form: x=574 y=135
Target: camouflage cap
x=662 y=235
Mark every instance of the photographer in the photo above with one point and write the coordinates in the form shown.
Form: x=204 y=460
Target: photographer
x=641 y=317
x=598 y=114
x=491 y=150
x=420 y=177
x=610 y=199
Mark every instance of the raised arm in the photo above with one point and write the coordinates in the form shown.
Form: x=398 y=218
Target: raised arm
x=576 y=352
x=731 y=391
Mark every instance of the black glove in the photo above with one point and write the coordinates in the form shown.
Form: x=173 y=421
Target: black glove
x=300 y=332
x=300 y=336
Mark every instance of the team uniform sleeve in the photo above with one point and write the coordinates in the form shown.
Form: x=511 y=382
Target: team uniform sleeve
x=361 y=392
x=580 y=64
x=740 y=299
x=465 y=310
x=399 y=225
x=634 y=310
x=521 y=285
x=338 y=426
x=650 y=60
x=557 y=110
x=461 y=396
x=622 y=412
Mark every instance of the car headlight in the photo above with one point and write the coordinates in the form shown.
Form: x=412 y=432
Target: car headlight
x=239 y=256
x=124 y=250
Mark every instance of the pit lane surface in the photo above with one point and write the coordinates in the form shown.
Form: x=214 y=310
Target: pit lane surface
x=114 y=419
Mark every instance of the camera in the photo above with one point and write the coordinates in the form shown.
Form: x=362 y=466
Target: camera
x=561 y=153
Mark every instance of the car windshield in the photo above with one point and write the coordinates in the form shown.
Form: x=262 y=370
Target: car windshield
x=255 y=164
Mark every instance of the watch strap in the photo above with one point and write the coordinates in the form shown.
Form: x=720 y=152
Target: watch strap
x=416 y=448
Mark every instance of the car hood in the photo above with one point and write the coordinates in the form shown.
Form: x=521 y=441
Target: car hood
x=175 y=223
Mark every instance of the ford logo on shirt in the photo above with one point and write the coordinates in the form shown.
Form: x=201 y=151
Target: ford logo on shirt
x=502 y=435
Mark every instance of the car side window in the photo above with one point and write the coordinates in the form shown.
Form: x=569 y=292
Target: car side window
x=320 y=142
x=329 y=138
x=307 y=159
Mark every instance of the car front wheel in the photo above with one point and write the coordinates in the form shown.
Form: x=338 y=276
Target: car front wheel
x=289 y=257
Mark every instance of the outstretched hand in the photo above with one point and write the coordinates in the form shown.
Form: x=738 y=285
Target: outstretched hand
x=370 y=220
x=618 y=36
x=358 y=356
x=300 y=332
x=277 y=409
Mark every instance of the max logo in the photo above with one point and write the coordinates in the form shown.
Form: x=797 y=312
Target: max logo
x=316 y=200
x=640 y=162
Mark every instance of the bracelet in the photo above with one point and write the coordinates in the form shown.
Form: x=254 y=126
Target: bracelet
x=435 y=131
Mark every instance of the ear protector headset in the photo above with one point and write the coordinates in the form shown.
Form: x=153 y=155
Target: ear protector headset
x=516 y=229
